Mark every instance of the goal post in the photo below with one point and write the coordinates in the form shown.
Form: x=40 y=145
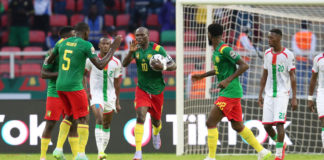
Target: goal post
x=193 y=54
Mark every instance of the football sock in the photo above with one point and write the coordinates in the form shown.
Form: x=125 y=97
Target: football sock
x=247 y=134
x=139 y=131
x=63 y=133
x=74 y=144
x=83 y=131
x=274 y=138
x=279 y=146
x=106 y=137
x=323 y=137
x=156 y=130
x=99 y=137
x=44 y=146
x=212 y=142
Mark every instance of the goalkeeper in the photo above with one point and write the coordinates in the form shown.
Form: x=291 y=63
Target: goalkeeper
x=228 y=103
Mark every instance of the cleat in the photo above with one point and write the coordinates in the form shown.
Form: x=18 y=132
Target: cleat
x=264 y=154
x=156 y=141
x=58 y=154
x=81 y=157
x=102 y=156
x=208 y=158
x=283 y=150
x=138 y=155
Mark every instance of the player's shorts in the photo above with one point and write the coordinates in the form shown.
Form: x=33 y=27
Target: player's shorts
x=320 y=104
x=154 y=102
x=106 y=107
x=75 y=103
x=54 y=108
x=231 y=108
x=275 y=109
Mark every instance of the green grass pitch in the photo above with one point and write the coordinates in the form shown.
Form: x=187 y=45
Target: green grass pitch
x=160 y=156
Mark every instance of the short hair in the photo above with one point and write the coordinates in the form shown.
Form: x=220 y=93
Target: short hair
x=81 y=27
x=304 y=24
x=65 y=31
x=276 y=31
x=215 y=29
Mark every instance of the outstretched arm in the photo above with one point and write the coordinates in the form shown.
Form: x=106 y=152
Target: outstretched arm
x=197 y=77
x=129 y=57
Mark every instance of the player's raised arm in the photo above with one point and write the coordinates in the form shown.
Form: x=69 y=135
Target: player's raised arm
x=129 y=57
x=100 y=64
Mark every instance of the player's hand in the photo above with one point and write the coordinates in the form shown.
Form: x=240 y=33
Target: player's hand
x=118 y=107
x=260 y=101
x=133 y=46
x=196 y=77
x=311 y=105
x=157 y=65
x=294 y=104
x=223 y=84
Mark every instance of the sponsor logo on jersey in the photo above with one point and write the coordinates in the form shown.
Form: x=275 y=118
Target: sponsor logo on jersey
x=233 y=54
x=149 y=56
x=217 y=59
x=48 y=113
x=137 y=55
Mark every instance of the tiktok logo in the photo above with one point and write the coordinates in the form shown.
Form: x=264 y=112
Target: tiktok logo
x=129 y=131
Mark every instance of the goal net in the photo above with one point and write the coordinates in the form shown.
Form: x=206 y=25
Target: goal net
x=246 y=30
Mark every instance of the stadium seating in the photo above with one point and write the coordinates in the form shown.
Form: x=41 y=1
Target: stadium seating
x=70 y=5
x=76 y=18
x=109 y=20
x=30 y=70
x=154 y=36
x=169 y=48
x=5 y=4
x=4 y=21
x=4 y=37
x=36 y=37
x=168 y=37
x=5 y=69
x=79 y=5
x=33 y=49
x=122 y=33
x=152 y=20
x=122 y=20
x=58 y=20
x=10 y=49
x=120 y=5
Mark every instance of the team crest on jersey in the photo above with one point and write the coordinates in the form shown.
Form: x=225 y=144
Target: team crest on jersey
x=217 y=59
x=48 y=113
x=149 y=56
x=93 y=50
x=137 y=55
x=233 y=54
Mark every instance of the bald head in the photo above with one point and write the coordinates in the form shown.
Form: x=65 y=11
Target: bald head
x=104 y=44
x=142 y=36
x=104 y=39
x=142 y=30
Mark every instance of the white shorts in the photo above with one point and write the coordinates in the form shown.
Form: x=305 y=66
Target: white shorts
x=320 y=104
x=106 y=107
x=275 y=109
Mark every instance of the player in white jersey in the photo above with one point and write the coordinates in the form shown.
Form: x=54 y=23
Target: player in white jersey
x=317 y=71
x=277 y=79
x=104 y=91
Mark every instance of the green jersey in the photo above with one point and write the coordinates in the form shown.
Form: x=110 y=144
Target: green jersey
x=73 y=53
x=225 y=59
x=53 y=67
x=149 y=80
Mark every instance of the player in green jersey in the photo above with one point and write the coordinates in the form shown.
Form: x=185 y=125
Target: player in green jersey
x=228 y=103
x=54 y=108
x=73 y=53
x=150 y=86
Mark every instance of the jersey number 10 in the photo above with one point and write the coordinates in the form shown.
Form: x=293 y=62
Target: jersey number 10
x=144 y=67
x=67 y=59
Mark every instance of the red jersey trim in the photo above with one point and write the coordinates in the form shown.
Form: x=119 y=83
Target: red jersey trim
x=156 y=47
x=222 y=47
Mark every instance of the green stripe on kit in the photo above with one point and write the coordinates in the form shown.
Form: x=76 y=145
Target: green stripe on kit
x=105 y=74
x=279 y=145
x=274 y=76
x=274 y=137
x=106 y=130
x=322 y=129
x=99 y=126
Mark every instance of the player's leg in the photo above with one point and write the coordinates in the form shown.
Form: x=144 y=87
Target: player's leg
x=97 y=111
x=73 y=138
x=107 y=118
x=320 y=111
x=271 y=132
x=322 y=125
x=156 y=112
x=280 y=141
x=268 y=117
x=214 y=117
x=46 y=137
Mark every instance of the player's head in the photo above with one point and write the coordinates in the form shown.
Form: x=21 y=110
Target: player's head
x=142 y=36
x=82 y=30
x=66 y=32
x=104 y=44
x=304 y=24
x=215 y=31
x=274 y=37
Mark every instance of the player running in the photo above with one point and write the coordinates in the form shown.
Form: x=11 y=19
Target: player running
x=54 y=108
x=317 y=71
x=277 y=78
x=228 y=103
x=73 y=53
x=104 y=91
x=150 y=86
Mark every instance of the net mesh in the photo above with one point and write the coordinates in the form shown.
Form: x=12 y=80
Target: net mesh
x=303 y=132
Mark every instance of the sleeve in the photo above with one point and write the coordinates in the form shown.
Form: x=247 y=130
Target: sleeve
x=88 y=65
x=315 y=65
x=231 y=55
x=118 y=70
x=46 y=65
x=291 y=65
x=90 y=50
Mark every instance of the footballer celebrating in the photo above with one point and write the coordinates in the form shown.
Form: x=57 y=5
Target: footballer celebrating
x=228 y=103
x=150 y=86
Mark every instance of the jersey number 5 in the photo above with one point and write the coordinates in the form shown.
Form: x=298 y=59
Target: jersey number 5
x=67 y=59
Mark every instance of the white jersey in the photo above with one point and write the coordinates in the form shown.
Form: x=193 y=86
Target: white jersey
x=318 y=67
x=278 y=66
x=102 y=81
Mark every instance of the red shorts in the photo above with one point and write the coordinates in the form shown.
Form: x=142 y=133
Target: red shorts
x=54 y=108
x=231 y=107
x=154 y=102
x=75 y=103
